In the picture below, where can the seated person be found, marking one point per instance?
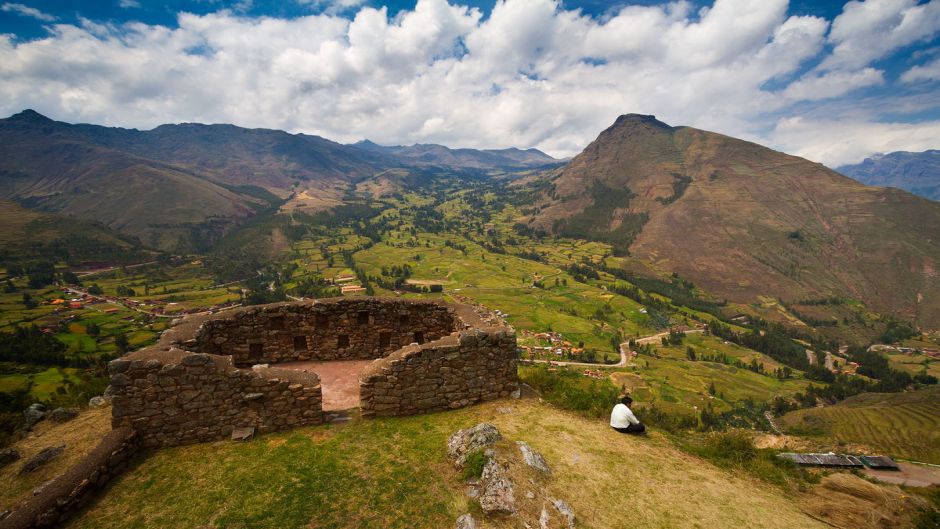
(623, 420)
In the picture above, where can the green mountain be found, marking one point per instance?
(743, 221)
(917, 172)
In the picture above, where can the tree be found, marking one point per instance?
(711, 389)
(690, 352)
(95, 290)
(93, 329)
(70, 278)
(120, 341)
(28, 301)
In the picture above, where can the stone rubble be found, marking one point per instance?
(533, 458)
(43, 457)
(469, 440)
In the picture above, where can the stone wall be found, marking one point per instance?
(340, 329)
(68, 492)
(176, 397)
(459, 370)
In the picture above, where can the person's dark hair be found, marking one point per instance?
(626, 400)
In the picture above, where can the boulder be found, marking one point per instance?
(469, 440)
(497, 496)
(533, 458)
(63, 414)
(98, 402)
(44, 456)
(34, 413)
(8, 455)
(466, 522)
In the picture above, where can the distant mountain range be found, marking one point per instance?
(743, 221)
(917, 172)
(441, 156)
(180, 187)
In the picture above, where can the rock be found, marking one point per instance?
(533, 458)
(530, 495)
(253, 396)
(44, 456)
(545, 519)
(497, 494)
(98, 402)
(466, 522)
(34, 413)
(469, 440)
(562, 507)
(243, 434)
(63, 414)
(516, 394)
(8, 455)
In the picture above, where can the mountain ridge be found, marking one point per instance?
(915, 172)
(742, 220)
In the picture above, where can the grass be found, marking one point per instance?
(905, 425)
(395, 473)
(79, 436)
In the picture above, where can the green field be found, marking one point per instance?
(904, 425)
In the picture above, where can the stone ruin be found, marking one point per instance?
(215, 374)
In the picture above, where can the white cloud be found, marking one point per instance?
(924, 72)
(128, 4)
(27, 11)
(851, 141)
(530, 74)
(832, 84)
(869, 30)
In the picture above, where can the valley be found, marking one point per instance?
(597, 306)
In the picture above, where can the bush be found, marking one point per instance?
(473, 466)
(571, 391)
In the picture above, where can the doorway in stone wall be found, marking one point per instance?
(339, 381)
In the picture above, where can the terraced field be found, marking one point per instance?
(905, 425)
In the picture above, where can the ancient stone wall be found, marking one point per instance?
(175, 397)
(69, 491)
(340, 329)
(463, 368)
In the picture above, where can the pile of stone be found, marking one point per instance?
(495, 489)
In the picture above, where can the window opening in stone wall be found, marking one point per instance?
(419, 337)
(255, 351)
(323, 321)
(362, 318)
(342, 341)
(300, 343)
(277, 323)
(385, 339)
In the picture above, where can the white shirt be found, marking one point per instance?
(622, 417)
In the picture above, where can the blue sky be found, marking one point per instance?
(832, 81)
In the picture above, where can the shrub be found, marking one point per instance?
(571, 391)
(473, 466)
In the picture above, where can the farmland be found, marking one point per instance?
(900, 424)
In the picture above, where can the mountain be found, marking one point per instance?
(917, 172)
(743, 221)
(441, 156)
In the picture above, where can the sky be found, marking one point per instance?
(834, 82)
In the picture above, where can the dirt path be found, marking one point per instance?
(624, 347)
(338, 378)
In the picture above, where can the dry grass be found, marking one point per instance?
(79, 436)
(395, 473)
(848, 501)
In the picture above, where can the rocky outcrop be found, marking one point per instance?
(42, 458)
(9, 455)
(466, 522)
(497, 496)
(532, 458)
(469, 440)
(507, 470)
(63, 414)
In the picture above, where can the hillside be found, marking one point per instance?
(742, 220)
(395, 473)
(902, 424)
(31, 235)
(916, 172)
